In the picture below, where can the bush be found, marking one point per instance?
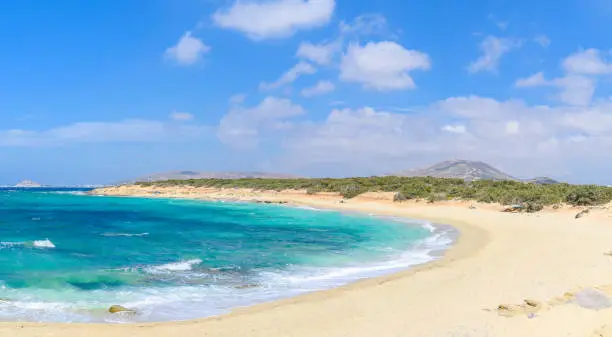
(422, 188)
(585, 196)
(532, 207)
(350, 191)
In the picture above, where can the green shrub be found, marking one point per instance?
(350, 191)
(422, 188)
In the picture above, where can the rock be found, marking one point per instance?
(472, 207)
(592, 299)
(582, 213)
(532, 303)
(118, 308)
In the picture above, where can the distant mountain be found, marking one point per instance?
(27, 183)
(184, 175)
(469, 171)
(461, 169)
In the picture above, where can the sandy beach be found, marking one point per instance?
(538, 267)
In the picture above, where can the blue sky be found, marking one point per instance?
(101, 91)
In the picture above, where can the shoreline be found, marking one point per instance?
(497, 258)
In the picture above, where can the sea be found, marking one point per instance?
(66, 256)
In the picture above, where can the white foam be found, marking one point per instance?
(176, 266)
(46, 243)
(9, 244)
(124, 234)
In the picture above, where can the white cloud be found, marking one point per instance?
(131, 130)
(587, 62)
(382, 65)
(188, 50)
(241, 126)
(542, 40)
(534, 80)
(274, 18)
(492, 48)
(321, 88)
(454, 128)
(302, 68)
(181, 116)
(578, 85)
(370, 141)
(318, 53)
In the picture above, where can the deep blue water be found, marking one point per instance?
(67, 256)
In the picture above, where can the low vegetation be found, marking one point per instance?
(531, 196)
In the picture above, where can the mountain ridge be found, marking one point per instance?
(468, 170)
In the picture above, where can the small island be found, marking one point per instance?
(28, 183)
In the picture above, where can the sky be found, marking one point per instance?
(103, 91)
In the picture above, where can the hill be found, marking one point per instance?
(185, 175)
(460, 169)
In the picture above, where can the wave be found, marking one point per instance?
(9, 244)
(46, 243)
(124, 234)
(184, 265)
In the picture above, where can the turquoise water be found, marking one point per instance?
(67, 256)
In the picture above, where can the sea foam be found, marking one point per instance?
(184, 265)
(46, 243)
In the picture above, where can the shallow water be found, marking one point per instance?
(66, 256)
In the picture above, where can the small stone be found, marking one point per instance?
(118, 308)
(582, 213)
(532, 303)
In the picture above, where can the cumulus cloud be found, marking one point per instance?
(131, 130)
(493, 49)
(587, 62)
(302, 68)
(577, 87)
(241, 126)
(367, 140)
(276, 18)
(321, 88)
(188, 50)
(382, 66)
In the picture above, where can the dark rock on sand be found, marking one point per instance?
(582, 213)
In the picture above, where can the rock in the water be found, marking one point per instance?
(118, 308)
